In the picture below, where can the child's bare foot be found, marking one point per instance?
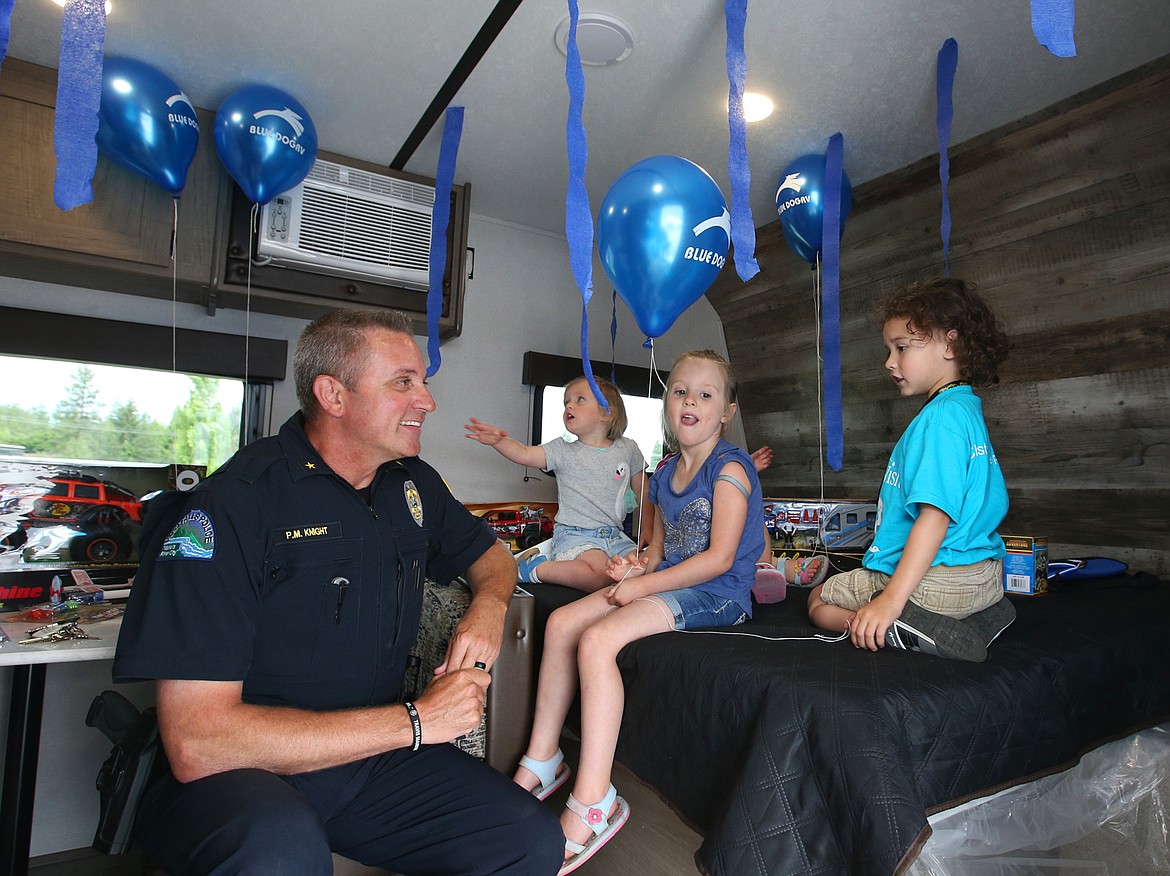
(806, 571)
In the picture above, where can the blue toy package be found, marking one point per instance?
(1025, 565)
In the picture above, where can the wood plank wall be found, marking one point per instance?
(1063, 221)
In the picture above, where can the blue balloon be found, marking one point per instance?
(146, 123)
(800, 204)
(266, 140)
(663, 232)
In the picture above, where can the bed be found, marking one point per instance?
(803, 757)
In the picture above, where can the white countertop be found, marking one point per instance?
(100, 647)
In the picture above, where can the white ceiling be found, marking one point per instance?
(366, 70)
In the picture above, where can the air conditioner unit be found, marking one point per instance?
(349, 222)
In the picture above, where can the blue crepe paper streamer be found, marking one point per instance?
(79, 97)
(5, 26)
(948, 61)
(444, 179)
(743, 229)
(1052, 22)
(831, 300)
(578, 216)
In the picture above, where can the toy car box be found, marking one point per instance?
(808, 525)
(1025, 566)
(56, 516)
(841, 529)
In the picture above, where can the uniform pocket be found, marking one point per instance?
(311, 607)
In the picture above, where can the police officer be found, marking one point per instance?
(275, 608)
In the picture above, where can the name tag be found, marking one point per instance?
(312, 530)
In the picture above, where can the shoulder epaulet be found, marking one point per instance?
(252, 461)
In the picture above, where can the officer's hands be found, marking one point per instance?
(476, 639)
(452, 705)
(478, 635)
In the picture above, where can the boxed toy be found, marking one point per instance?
(841, 529)
(58, 516)
(819, 525)
(1025, 567)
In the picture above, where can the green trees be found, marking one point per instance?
(200, 431)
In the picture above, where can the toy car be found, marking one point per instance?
(525, 526)
(76, 518)
(505, 521)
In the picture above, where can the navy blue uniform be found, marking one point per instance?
(277, 573)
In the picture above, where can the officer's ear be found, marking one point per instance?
(329, 392)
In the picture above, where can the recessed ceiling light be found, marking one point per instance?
(109, 5)
(756, 107)
(601, 39)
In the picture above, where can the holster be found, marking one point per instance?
(135, 762)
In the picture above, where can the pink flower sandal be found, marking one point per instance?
(603, 826)
(549, 773)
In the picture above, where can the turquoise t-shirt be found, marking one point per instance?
(944, 459)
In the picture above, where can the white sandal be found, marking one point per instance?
(599, 820)
(548, 772)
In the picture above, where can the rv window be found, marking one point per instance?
(86, 412)
(644, 415)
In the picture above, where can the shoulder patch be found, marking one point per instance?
(193, 538)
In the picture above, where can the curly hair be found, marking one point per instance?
(943, 304)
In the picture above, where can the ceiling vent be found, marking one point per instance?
(352, 223)
(601, 39)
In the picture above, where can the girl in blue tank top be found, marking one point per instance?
(697, 572)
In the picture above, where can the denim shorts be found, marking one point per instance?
(569, 542)
(955, 591)
(693, 608)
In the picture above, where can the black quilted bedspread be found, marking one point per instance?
(801, 757)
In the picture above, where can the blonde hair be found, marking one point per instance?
(613, 397)
(669, 440)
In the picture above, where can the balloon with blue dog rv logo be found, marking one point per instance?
(146, 123)
(266, 140)
(801, 206)
(663, 232)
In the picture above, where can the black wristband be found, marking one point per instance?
(415, 725)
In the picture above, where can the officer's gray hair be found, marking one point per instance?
(336, 344)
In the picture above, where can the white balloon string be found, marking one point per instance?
(644, 493)
(248, 315)
(174, 287)
(820, 387)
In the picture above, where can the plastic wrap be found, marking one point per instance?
(1117, 796)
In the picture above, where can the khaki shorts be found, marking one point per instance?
(954, 591)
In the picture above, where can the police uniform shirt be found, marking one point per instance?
(277, 572)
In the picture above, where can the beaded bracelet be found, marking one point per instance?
(415, 725)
